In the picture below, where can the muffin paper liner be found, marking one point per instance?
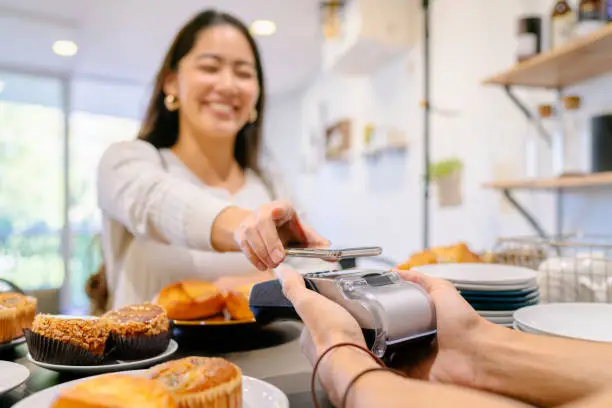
(139, 347)
(47, 350)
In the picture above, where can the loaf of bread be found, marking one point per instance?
(190, 300)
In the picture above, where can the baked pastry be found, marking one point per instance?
(8, 324)
(237, 303)
(115, 391)
(459, 253)
(190, 300)
(66, 340)
(138, 331)
(201, 382)
(25, 306)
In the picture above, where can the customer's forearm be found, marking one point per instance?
(386, 389)
(224, 227)
(542, 370)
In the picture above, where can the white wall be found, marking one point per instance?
(362, 203)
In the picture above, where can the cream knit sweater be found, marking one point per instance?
(157, 222)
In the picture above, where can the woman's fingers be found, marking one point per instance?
(269, 234)
(249, 252)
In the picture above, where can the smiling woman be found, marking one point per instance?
(192, 188)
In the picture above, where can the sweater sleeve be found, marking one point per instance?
(135, 190)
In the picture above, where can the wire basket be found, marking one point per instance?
(571, 268)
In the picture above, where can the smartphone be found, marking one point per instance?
(333, 254)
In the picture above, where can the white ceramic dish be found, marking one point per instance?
(496, 313)
(481, 274)
(255, 394)
(501, 320)
(12, 344)
(532, 285)
(12, 375)
(111, 367)
(586, 321)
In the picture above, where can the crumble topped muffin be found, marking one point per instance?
(136, 320)
(138, 331)
(201, 382)
(67, 340)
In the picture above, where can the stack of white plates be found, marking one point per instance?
(495, 291)
(585, 321)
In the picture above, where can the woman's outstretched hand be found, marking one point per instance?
(263, 234)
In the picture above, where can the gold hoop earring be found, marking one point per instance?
(171, 102)
(253, 116)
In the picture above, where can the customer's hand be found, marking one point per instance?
(454, 353)
(263, 234)
(326, 322)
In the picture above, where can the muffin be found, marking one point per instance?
(191, 300)
(115, 391)
(138, 331)
(8, 324)
(67, 340)
(197, 382)
(25, 307)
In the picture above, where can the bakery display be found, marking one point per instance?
(203, 301)
(24, 307)
(138, 331)
(116, 391)
(459, 253)
(190, 300)
(67, 340)
(201, 382)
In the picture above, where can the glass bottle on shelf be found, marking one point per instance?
(576, 143)
(562, 24)
(591, 17)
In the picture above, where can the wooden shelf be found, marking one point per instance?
(580, 60)
(590, 180)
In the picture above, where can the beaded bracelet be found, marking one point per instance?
(354, 380)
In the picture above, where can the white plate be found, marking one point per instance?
(255, 394)
(12, 375)
(12, 344)
(108, 368)
(586, 321)
(480, 273)
(532, 285)
(496, 313)
(500, 320)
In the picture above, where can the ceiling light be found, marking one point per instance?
(263, 27)
(65, 48)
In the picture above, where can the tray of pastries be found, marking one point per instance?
(190, 382)
(201, 303)
(133, 336)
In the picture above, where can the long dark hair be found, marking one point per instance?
(160, 126)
